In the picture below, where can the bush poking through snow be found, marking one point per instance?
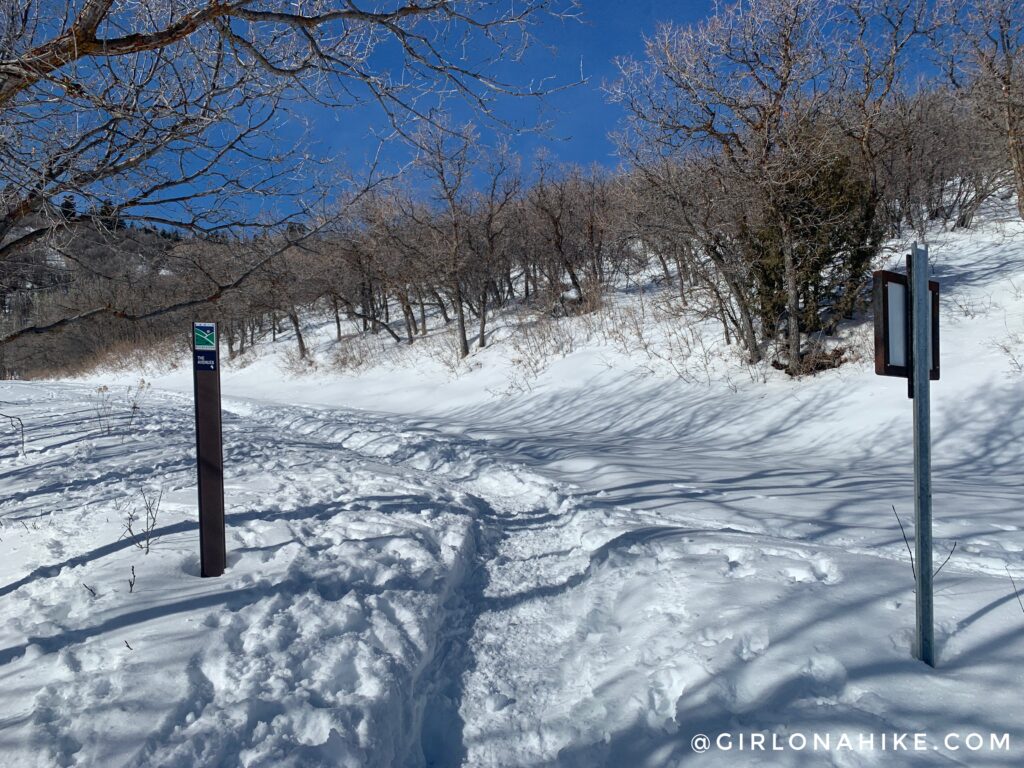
(18, 424)
(104, 409)
(108, 410)
(298, 364)
(136, 396)
(1013, 347)
(139, 523)
(535, 344)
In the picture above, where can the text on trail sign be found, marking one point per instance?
(893, 326)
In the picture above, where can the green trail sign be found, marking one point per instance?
(204, 346)
(204, 336)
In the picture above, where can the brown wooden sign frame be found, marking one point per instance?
(883, 363)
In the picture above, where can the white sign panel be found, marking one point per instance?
(896, 332)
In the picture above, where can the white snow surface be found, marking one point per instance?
(590, 572)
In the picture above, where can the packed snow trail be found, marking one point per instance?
(404, 594)
(315, 647)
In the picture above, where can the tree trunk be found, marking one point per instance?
(482, 339)
(460, 314)
(574, 280)
(408, 314)
(298, 334)
(684, 279)
(410, 322)
(364, 306)
(664, 268)
(337, 316)
(792, 306)
(441, 307)
(745, 323)
(1014, 115)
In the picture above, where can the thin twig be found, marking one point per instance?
(1014, 587)
(946, 560)
(907, 542)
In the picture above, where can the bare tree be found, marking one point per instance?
(446, 158)
(983, 41)
(575, 233)
(491, 223)
(874, 43)
(741, 86)
(168, 112)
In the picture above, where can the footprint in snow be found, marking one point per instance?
(753, 644)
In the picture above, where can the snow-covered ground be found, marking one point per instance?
(590, 572)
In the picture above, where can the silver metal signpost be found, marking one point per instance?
(921, 346)
(907, 346)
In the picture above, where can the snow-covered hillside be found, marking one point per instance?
(589, 569)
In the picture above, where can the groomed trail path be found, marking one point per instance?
(405, 593)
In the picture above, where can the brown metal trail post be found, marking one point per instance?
(209, 449)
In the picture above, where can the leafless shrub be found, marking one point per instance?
(104, 404)
(1012, 346)
(298, 363)
(445, 348)
(140, 520)
(670, 336)
(135, 397)
(971, 307)
(535, 344)
(358, 353)
(1018, 290)
(16, 423)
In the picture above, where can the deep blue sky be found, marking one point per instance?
(580, 118)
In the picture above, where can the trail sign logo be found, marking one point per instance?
(204, 336)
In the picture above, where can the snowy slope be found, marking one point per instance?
(587, 573)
